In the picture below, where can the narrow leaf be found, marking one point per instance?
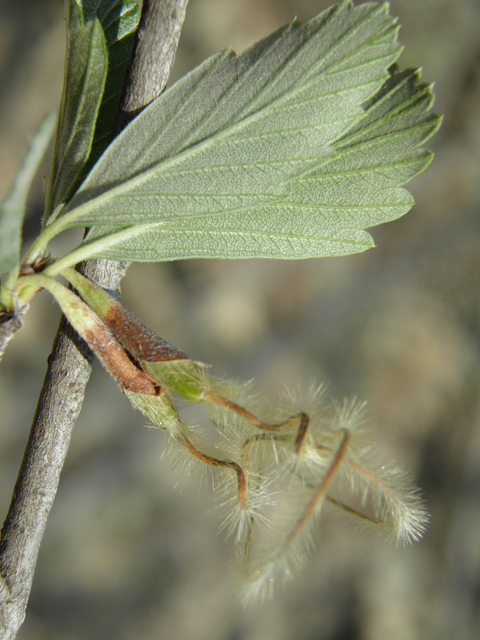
(290, 150)
(85, 72)
(12, 209)
(119, 20)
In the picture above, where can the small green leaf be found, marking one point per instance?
(290, 150)
(119, 20)
(12, 209)
(84, 80)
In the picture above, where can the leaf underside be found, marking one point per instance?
(98, 32)
(85, 72)
(289, 150)
(119, 20)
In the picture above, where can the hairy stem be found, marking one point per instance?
(321, 490)
(301, 418)
(228, 464)
(69, 364)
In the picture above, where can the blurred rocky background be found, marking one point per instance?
(129, 553)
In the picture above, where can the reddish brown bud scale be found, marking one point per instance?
(36, 266)
(118, 364)
(142, 343)
(101, 340)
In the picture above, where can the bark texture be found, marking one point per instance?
(69, 364)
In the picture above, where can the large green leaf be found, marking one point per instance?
(12, 209)
(119, 20)
(290, 150)
(84, 80)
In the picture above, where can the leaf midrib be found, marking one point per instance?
(168, 164)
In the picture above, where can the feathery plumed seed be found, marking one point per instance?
(273, 465)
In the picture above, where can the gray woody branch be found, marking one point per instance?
(69, 364)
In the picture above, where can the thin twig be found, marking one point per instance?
(69, 364)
